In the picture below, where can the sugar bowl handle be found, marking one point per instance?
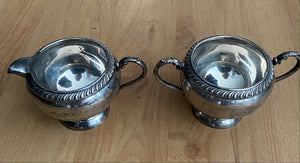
(179, 66)
(285, 55)
(137, 61)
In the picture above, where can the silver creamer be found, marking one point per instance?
(74, 80)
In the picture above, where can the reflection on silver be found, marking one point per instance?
(74, 80)
(68, 67)
(224, 75)
(225, 78)
(229, 65)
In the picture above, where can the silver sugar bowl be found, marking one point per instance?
(226, 78)
(74, 80)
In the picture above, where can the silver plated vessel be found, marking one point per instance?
(226, 78)
(74, 80)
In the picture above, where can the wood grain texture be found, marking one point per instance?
(148, 122)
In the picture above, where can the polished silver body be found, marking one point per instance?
(226, 78)
(74, 80)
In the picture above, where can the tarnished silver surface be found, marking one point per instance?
(74, 80)
(87, 123)
(226, 78)
(214, 122)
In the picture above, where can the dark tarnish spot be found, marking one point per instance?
(139, 97)
(65, 82)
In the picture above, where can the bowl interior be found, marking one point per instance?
(68, 65)
(230, 63)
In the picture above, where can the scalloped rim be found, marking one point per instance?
(81, 93)
(223, 92)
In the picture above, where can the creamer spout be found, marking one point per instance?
(20, 66)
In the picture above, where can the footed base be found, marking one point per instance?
(214, 122)
(88, 123)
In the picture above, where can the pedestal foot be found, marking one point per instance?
(88, 123)
(214, 122)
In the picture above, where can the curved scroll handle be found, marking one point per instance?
(137, 61)
(285, 55)
(179, 66)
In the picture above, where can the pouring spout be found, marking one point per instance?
(20, 66)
